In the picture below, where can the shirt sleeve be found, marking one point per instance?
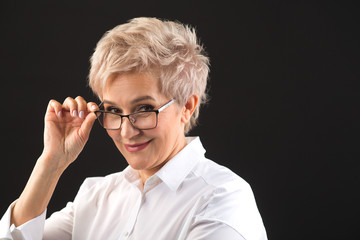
(32, 229)
(213, 230)
(59, 225)
(231, 211)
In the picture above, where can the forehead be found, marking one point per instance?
(131, 85)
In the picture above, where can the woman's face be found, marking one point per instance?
(145, 150)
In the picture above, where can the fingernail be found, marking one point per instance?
(74, 113)
(81, 114)
(59, 113)
(93, 107)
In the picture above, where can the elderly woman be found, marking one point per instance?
(150, 76)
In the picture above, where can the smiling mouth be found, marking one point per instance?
(136, 147)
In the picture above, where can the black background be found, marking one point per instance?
(283, 112)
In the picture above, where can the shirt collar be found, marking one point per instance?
(133, 177)
(175, 171)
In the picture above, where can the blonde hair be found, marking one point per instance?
(168, 50)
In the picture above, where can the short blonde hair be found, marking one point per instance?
(168, 50)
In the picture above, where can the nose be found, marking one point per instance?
(127, 130)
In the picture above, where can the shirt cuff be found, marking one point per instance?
(32, 229)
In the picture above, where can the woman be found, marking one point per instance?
(151, 78)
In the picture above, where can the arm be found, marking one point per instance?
(67, 129)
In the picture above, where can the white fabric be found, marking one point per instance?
(190, 198)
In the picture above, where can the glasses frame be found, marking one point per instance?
(163, 107)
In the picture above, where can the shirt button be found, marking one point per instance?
(126, 234)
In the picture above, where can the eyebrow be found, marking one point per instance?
(136, 100)
(142, 98)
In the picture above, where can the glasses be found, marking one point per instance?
(143, 120)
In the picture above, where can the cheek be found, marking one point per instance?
(113, 134)
(170, 120)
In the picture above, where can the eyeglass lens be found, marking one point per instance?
(142, 120)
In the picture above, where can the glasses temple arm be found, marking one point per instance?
(166, 105)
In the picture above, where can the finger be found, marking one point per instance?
(86, 126)
(71, 105)
(81, 106)
(55, 106)
(91, 106)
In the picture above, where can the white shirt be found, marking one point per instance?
(189, 198)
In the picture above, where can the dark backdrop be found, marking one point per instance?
(284, 99)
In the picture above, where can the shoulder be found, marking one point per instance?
(228, 191)
(218, 176)
(230, 202)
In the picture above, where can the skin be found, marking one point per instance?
(68, 126)
(166, 140)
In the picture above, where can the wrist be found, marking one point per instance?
(38, 190)
(51, 165)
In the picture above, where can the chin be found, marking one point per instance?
(137, 160)
(137, 163)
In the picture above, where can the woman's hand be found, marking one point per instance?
(67, 129)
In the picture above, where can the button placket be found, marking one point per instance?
(132, 220)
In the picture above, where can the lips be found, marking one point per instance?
(136, 147)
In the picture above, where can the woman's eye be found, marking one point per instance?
(144, 108)
(112, 109)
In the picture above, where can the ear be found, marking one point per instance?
(189, 108)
